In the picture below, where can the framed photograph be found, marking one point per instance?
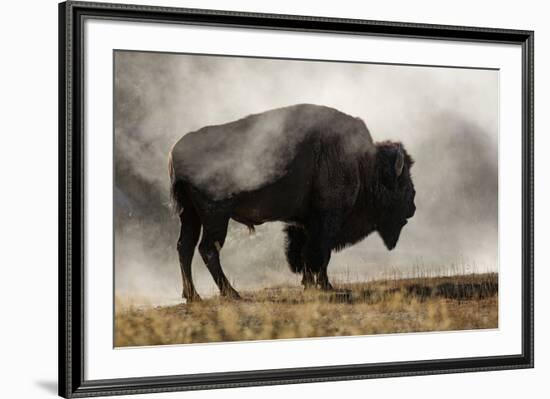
(252, 199)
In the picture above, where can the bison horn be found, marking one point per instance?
(399, 161)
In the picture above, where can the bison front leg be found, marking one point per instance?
(213, 237)
(296, 240)
(322, 275)
(322, 278)
(319, 248)
(308, 279)
(317, 259)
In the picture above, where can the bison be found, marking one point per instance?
(312, 167)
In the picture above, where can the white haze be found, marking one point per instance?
(447, 119)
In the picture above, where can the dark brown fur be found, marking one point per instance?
(312, 167)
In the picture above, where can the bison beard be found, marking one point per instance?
(312, 167)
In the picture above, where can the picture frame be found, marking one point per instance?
(72, 209)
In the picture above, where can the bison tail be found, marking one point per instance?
(176, 192)
(295, 242)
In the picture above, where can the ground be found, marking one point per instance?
(389, 306)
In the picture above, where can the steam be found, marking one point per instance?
(447, 119)
(224, 163)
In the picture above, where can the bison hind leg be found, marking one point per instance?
(213, 238)
(189, 236)
(294, 246)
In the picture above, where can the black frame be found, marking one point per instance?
(71, 197)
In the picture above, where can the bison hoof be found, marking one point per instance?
(231, 294)
(192, 298)
(326, 286)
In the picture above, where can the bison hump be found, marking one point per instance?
(225, 160)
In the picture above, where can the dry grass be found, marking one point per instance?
(388, 306)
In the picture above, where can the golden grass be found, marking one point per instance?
(389, 306)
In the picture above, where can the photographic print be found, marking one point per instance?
(282, 199)
(265, 199)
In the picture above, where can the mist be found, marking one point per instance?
(447, 119)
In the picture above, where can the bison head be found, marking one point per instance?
(394, 192)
